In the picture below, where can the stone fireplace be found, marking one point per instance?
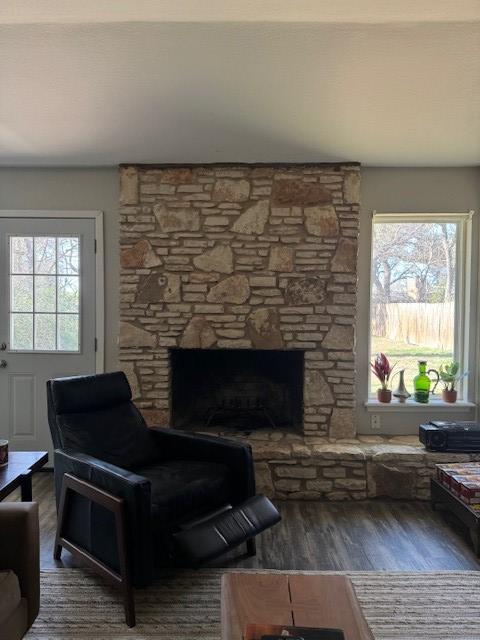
(238, 297)
(236, 259)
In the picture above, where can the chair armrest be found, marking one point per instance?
(134, 489)
(19, 549)
(237, 456)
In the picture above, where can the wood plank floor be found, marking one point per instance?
(343, 536)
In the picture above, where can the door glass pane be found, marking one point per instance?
(45, 330)
(45, 293)
(67, 332)
(21, 329)
(45, 255)
(68, 293)
(51, 288)
(21, 254)
(67, 255)
(21, 293)
(413, 295)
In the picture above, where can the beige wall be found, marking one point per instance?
(403, 190)
(75, 189)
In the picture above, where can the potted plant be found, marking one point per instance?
(382, 369)
(449, 376)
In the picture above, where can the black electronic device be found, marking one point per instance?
(454, 437)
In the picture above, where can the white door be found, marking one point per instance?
(47, 318)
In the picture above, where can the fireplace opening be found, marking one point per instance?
(237, 389)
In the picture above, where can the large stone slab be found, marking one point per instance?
(340, 336)
(308, 290)
(133, 336)
(345, 258)
(351, 187)
(263, 329)
(150, 288)
(321, 221)
(296, 193)
(140, 256)
(128, 185)
(156, 417)
(263, 478)
(172, 290)
(254, 219)
(390, 481)
(281, 259)
(198, 334)
(316, 389)
(220, 259)
(342, 424)
(170, 220)
(234, 290)
(129, 370)
(182, 175)
(226, 190)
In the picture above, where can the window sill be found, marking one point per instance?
(436, 405)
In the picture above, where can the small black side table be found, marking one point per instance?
(18, 472)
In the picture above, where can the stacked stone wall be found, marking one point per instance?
(242, 257)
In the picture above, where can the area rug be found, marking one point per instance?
(185, 605)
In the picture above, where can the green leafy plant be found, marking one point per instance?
(449, 375)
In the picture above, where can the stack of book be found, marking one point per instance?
(463, 480)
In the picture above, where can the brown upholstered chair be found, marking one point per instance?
(19, 568)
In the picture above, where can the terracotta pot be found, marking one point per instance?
(384, 395)
(449, 396)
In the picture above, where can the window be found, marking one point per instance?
(44, 293)
(418, 300)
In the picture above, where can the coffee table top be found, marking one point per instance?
(19, 463)
(291, 599)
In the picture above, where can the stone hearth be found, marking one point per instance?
(241, 257)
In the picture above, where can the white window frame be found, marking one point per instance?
(97, 216)
(463, 302)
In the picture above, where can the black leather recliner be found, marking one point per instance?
(166, 478)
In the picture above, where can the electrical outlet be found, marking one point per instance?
(375, 422)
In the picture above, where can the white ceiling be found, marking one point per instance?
(384, 83)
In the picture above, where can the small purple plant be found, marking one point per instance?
(382, 369)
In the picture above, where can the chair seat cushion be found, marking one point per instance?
(185, 489)
(10, 596)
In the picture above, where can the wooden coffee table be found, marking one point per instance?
(291, 599)
(18, 472)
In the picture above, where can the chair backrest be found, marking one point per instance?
(95, 415)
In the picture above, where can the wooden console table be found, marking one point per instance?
(291, 599)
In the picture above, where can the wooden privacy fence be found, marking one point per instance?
(429, 324)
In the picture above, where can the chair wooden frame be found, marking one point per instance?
(72, 484)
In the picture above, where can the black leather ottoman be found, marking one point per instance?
(225, 531)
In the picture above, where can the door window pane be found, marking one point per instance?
(22, 293)
(45, 304)
(21, 255)
(45, 293)
(68, 293)
(45, 330)
(413, 295)
(67, 332)
(67, 255)
(21, 328)
(45, 255)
